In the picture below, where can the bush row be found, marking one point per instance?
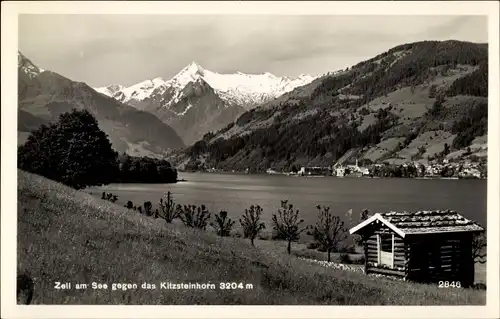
(328, 231)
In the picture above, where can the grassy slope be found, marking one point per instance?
(65, 235)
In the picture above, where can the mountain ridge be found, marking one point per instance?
(197, 101)
(252, 88)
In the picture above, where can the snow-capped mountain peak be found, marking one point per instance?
(27, 66)
(138, 92)
(238, 88)
(194, 68)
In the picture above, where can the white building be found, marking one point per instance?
(340, 171)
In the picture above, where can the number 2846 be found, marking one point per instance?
(448, 284)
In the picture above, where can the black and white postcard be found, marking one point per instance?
(322, 154)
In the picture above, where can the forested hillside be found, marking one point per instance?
(416, 102)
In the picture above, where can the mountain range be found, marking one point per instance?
(43, 95)
(197, 101)
(415, 102)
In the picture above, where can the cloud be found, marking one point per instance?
(132, 48)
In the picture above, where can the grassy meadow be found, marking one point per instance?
(71, 236)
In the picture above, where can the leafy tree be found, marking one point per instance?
(479, 248)
(251, 222)
(169, 210)
(329, 230)
(286, 224)
(195, 217)
(364, 111)
(352, 221)
(446, 149)
(222, 224)
(73, 151)
(129, 205)
(447, 171)
(421, 151)
(145, 170)
(437, 107)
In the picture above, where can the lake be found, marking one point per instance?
(235, 192)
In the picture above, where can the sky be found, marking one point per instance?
(126, 49)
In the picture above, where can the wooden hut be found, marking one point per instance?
(424, 246)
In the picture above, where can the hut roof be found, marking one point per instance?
(422, 222)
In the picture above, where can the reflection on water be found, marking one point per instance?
(235, 192)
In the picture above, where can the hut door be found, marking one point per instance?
(386, 249)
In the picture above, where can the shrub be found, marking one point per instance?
(345, 259)
(251, 223)
(346, 249)
(479, 286)
(25, 288)
(222, 225)
(129, 205)
(359, 261)
(263, 237)
(139, 209)
(148, 208)
(313, 245)
(73, 151)
(195, 217)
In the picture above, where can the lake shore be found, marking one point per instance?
(329, 176)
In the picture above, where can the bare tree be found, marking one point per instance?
(195, 217)
(169, 210)
(287, 224)
(251, 223)
(222, 225)
(329, 230)
(479, 248)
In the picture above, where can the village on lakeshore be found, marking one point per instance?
(463, 169)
